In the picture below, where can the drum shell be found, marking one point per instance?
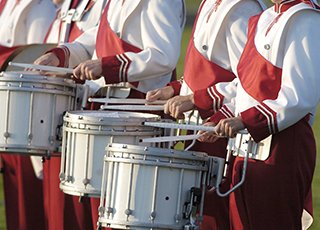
(33, 106)
(87, 133)
(145, 182)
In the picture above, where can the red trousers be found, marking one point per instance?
(276, 191)
(23, 194)
(63, 211)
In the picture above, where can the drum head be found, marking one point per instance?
(26, 54)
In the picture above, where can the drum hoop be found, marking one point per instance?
(111, 122)
(154, 151)
(48, 91)
(74, 115)
(75, 191)
(107, 223)
(44, 80)
(27, 149)
(178, 165)
(115, 132)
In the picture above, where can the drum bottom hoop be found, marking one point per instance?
(73, 191)
(135, 225)
(28, 150)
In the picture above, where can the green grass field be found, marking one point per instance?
(316, 127)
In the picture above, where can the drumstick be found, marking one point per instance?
(170, 138)
(183, 126)
(42, 67)
(133, 107)
(125, 101)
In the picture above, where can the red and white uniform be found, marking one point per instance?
(217, 41)
(161, 25)
(65, 211)
(277, 94)
(22, 22)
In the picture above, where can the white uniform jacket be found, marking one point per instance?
(288, 41)
(154, 26)
(221, 31)
(220, 36)
(25, 22)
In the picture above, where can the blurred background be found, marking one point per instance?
(192, 8)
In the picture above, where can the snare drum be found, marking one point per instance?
(32, 106)
(87, 133)
(151, 188)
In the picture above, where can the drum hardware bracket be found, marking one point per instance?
(191, 227)
(191, 205)
(214, 170)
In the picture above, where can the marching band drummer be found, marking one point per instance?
(277, 94)
(22, 23)
(64, 211)
(218, 38)
(136, 41)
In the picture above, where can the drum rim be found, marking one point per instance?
(83, 113)
(156, 151)
(117, 223)
(15, 76)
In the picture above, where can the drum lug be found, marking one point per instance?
(6, 134)
(62, 176)
(51, 139)
(128, 212)
(30, 136)
(86, 181)
(153, 215)
(109, 210)
(101, 209)
(177, 218)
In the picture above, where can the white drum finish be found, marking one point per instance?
(147, 187)
(32, 106)
(87, 133)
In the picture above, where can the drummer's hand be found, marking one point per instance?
(229, 127)
(207, 136)
(91, 70)
(160, 94)
(177, 105)
(49, 59)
